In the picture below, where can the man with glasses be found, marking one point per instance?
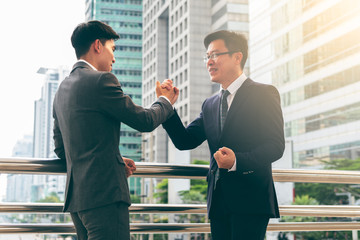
(243, 126)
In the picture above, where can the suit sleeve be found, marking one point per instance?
(185, 138)
(271, 127)
(58, 141)
(114, 102)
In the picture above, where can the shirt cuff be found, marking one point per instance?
(233, 168)
(166, 99)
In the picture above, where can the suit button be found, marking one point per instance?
(212, 171)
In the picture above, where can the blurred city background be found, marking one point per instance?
(308, 49)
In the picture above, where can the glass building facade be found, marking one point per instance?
(125, 17)
(310, 51)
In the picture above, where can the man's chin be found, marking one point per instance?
(214, 80)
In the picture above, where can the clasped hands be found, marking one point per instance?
(167, 90)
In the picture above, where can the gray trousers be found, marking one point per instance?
(110, 222)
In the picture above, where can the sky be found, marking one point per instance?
(34, 34)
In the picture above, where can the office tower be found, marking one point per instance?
(43, 185)
(173, 48)
(18, 186)
(172, 43)
(43, 119)
(310, 51)
(23, 147)
(125, 17)
(173, 34)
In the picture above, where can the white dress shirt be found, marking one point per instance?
(233, 88)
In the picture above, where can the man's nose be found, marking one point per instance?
(209, 62)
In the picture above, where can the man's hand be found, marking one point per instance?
(167, 90)
(225, 158)
(130, 167)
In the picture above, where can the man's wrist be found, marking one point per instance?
(233, 168)
(165, 98)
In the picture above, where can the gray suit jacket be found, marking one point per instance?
(89, 107)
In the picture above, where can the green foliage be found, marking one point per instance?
(191, 196)
(135, 198)
(200, 162)
(302, 200)
(162, 191)
(343, 164)
(52, 198)
(163, 236)
(324, 194)
(305, 200)
(198, 188)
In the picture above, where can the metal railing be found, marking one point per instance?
(54, 166)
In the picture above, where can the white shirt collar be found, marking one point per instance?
(82, 60)
(235, 85)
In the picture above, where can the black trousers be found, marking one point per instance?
(227, 225)
(110, 222)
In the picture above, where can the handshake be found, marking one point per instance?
(167, 90)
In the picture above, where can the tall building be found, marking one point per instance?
(125, 17)
(18, 186)
(23, 147)
(173, 34)
(172, 43)
(43, 185)
(173, 48)
(43, 119)
(310, 51)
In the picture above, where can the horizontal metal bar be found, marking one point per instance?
(313, 226)
(134, 208)
(32, 165)
(285, 210)
(164, 170)
(55, 166)
(168, 208)
(31, 207)
(179, 227)
(37, 228)
(318, 176)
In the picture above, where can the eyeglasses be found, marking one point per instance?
(213, 56)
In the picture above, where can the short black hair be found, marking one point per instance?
(86, 33)
(233, 41)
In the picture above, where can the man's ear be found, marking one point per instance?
(97, 46)
(238, 57)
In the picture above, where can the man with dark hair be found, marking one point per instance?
(89, 107)
(243, 126)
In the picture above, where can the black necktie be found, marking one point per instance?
(223, 107)
(223, 113)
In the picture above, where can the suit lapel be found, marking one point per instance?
(236, 104)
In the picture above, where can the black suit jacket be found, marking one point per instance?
(88, 109)
(254, 131)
